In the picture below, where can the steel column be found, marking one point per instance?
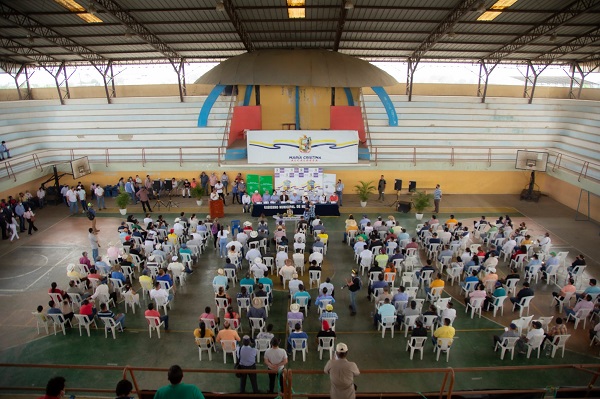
(63, 93)
(531, 80)
(483, 81)
(410, 71)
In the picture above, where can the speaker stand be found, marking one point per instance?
(395, 203)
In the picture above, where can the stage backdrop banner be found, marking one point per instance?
(266, 184)
(251, 184)
(286, 147)
(299, 179)
(329, 183)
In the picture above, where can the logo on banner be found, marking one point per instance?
(305, 144)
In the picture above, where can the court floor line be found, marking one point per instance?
(39, 278)
(25, 274)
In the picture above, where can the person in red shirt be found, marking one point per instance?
(333, 198)
(87, 308)
(155, 313)
(55, 388)
(522, 250)
(55, 290)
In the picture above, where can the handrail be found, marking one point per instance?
(232, 102)
(446, 386)
(9, 170)
(365, 116)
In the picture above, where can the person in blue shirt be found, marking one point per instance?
(297, 333)
(118, 274)
(266, 197)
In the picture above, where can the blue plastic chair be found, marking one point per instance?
(236, 225)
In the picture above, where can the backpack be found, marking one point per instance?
(90, 215)
(360, 283)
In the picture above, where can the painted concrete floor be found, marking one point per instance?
(28, 266)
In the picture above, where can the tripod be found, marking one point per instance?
(395, 203)
(171, 203)
(158, 202)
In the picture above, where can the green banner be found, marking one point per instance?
(266, 184)
(251, 184)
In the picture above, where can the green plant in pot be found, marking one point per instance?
(421, 201)
(364, 189)
(122, 200)
(198, 193)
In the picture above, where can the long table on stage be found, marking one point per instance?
(298, 209)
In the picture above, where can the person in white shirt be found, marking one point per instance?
(72, 199)
(288, 270)
(41, 194)
(281, 257)
(81, 195)
(219, 189)
(299, 244)
(318, 256)
(252, 255)
(242, 238)
(99, 192)
(246, 202)
(258, 269)
(148, 220)
(327, 284)
(158, 292)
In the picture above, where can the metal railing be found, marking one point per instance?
(365, 116)
(446, 389)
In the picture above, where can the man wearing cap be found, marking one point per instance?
(220, 279)
(550, 265)
(510, 332)
(341, 374)
(275, 359)
(256, 197)
(328, 313)
(247, 361)
(353, 284)
(176, 267)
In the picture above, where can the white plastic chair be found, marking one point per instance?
(59, 320)
(85, 322)
(299, 345)
(112, 325)
(221, 304)
(560, 302)
(415, 344)
(454, 273)
(523, 323)
(523, 304)
(387, 322)
(443, 345)
(511, 285)
(434, 294)
(42, 320)
(314, 277)
(507, 344)
(475, 304)
(228, 346)
(558, 342)
(162, 302)
(243, 304)
(326, 344)
(535, 343)
(408, 323)
(256, 324)
(261, 345)
(303, 302)
(469, 287)
(582, 314)
(498, 303)
(154, 323)
(204, 345)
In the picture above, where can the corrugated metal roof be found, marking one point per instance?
(374, 29)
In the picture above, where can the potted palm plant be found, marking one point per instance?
(198, 193)
(421, 200)
(122, 200)
(364, 189)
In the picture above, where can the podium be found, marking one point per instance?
(216, 209)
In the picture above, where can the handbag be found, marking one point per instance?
(32, 218)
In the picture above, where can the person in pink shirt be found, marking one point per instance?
(256, 197)
(84, 260)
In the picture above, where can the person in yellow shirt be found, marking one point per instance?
(172, 237)
(451, 220)
(438, 282)
(203, 332)
(445, 331)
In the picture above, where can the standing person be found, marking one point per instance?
(219, 188)
(71, 196)
(339, 187)
(55, 388)
(91, 215)
(204, 181)
(123, 389)
(81, 195)
(99, 192)
(30, 218)
(225, 182)
(247, 361)
(354, 285)
(437, 197)
(143, 195)
(381, 188)
(234, 193)
(177, 389)
(41, 195)
(12, 225)
(93, 242)
(275, 359)
(341, 374)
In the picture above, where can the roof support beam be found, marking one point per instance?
(340, 26)
(180, 70)
(22, 50)
(531, 80)
(20, 73)
(571, 46)
(238, 25)
(484, 75)
(577, 82)
(410, 72)
(108, 77)
(550, 24)
(62, 83)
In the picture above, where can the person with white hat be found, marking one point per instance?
(257, 309)
(220, 279)
(295, 313)
(252, 255)
(294, 284)
(258, 268)
(341, 374)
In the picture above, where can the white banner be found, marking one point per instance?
(329, 183)
(286, 147)
(299, 179)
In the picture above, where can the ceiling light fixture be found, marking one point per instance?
(481, 7)
(78, 10)
(496, 10)
(220, 6)
(30, 39)
(348, 5)
(553, 37)
(92, 9)
(451, 32)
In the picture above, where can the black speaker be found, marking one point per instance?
(398, 185)
(168, 185)
(404, 206)
(156, 185)
(412, 186)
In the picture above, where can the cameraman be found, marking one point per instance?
(354, 285)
